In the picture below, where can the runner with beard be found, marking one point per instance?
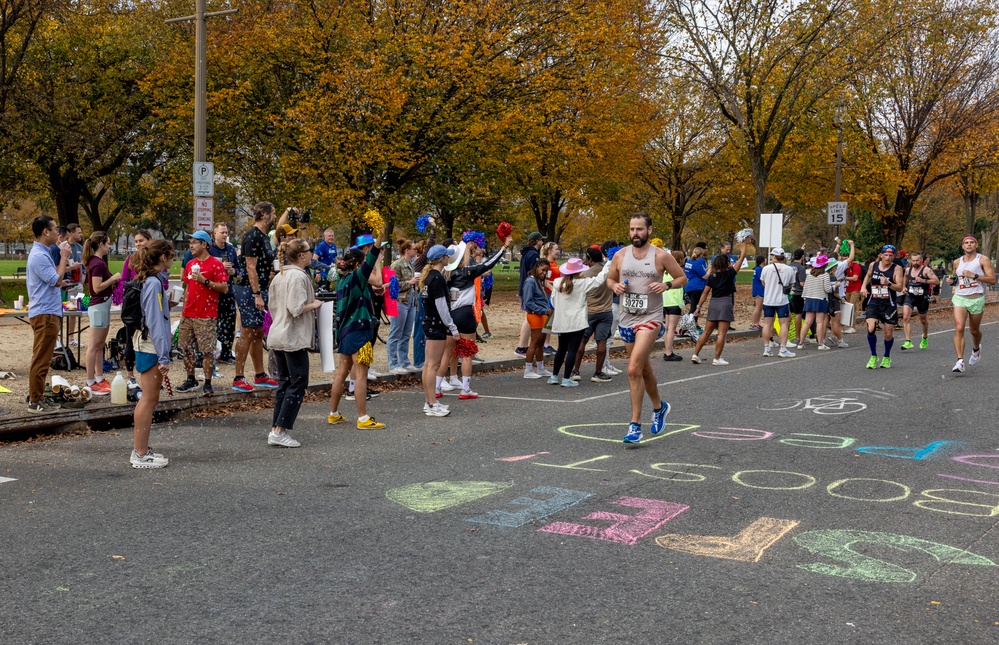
(970, 272)
(636, 274)
(919, 282)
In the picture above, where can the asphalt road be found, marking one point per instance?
(766, 514)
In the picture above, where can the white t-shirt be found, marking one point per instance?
(773, 292)
(841, 278)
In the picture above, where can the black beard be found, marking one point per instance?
(638, 242)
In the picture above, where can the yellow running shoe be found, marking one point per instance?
(370, 424)
(335, 418)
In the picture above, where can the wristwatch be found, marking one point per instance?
(669, 285)
(208, 282)
(256, 293)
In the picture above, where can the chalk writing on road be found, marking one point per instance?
(748, 545)
(431, 497)
(4, 480)
(839, 545)
(834, 402)
(625, 529)
(555, 500)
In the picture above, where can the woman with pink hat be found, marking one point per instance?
(571, 318)
(816, 292)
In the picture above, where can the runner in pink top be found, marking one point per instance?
(636, 274)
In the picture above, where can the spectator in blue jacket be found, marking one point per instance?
(696, 270)
(529, 256)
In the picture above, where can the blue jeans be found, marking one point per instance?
(400, 329)
(419, 338)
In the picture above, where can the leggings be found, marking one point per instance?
(129, 350)
(568, 345)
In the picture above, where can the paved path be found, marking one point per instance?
(791, 501)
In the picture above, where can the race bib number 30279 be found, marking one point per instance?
(636, 303)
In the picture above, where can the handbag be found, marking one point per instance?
(787, 289)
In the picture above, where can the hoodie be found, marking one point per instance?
(529, 256)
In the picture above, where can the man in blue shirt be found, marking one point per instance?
(326, 251)
(45, 278)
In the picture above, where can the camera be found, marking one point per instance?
(295, 215)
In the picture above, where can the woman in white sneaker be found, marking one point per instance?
(292, 305)
(720, 287)
(570, 318)
(536, 306)
(816, 292)
(438, 327)
(152, 342)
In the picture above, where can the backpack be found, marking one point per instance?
(131, 307)
(63, 360)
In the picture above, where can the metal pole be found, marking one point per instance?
(839, 165)
(200, 83)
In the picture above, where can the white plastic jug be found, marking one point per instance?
(119, 390)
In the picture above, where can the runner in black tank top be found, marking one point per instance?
(881, 282)
(919, 281)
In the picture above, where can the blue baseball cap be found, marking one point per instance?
(364, 240)
(201, 235)
(887, 247)
(437, 251)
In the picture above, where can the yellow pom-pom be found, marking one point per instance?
(365, 355)
(656, 241)
(373, 220)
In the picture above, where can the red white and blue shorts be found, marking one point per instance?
(628, 333)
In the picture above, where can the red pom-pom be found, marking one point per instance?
(503, 231)
(464, 348)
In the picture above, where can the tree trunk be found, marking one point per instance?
(66, 194)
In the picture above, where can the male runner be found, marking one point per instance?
(884, 278)
(919, 282)
(636, 273)
(970, 271)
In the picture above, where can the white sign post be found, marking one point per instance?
(204, 179)
(837, 213)
(204, 213)
(771, 230)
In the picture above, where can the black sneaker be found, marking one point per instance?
(600, 377)
(350, 396)
(672, 358)
(479, 339)
(227, 360)
(207, 389)
(190, 384)
(372, 392)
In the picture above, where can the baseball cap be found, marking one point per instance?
(777, 252)
(437, 251)
(535, 236)
(201, 235)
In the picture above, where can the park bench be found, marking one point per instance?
(21, 272)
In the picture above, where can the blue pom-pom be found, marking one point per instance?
(394, 288)
(474, 236)
(487, 281)
(422, 222)
(611, 251)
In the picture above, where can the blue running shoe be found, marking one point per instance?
(634, 433)
(659, 418)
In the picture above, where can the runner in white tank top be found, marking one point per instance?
(636, 275)
(971, 272)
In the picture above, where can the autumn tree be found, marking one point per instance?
(769, 63)
(918, 105)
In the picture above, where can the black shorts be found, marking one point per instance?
(920, 303)
(672, 311)
(882, 309)
(834, 304)
(487, 295)
(434, 331)
(464, 319)
(797, 304)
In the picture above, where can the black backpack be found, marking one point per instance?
(131, 307)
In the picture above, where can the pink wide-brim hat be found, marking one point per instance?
(573, 266)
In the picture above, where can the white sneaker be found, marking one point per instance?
(823, 347)
(284, 439)
(767, 352)
(149, 460)
(849, 330)
(529, 373)
(785, 353)
(958, 366)
(719, 362)
(975, 357)
(413, 368)
(399, 370)
(373, 374)
(800, 347)
(842, 344)
(447, 387)
(542, 371)
(812, 340)
(694, 358)
(435, 410)
(455, 382)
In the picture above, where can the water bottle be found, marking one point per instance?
(119, 390)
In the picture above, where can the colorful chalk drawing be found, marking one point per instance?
(626, 529)
(522, 457)
(4, 480)
(818, 405)
(838, 545)
(431, 497)
(557, 499)
(748, 545)
(615, 436)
